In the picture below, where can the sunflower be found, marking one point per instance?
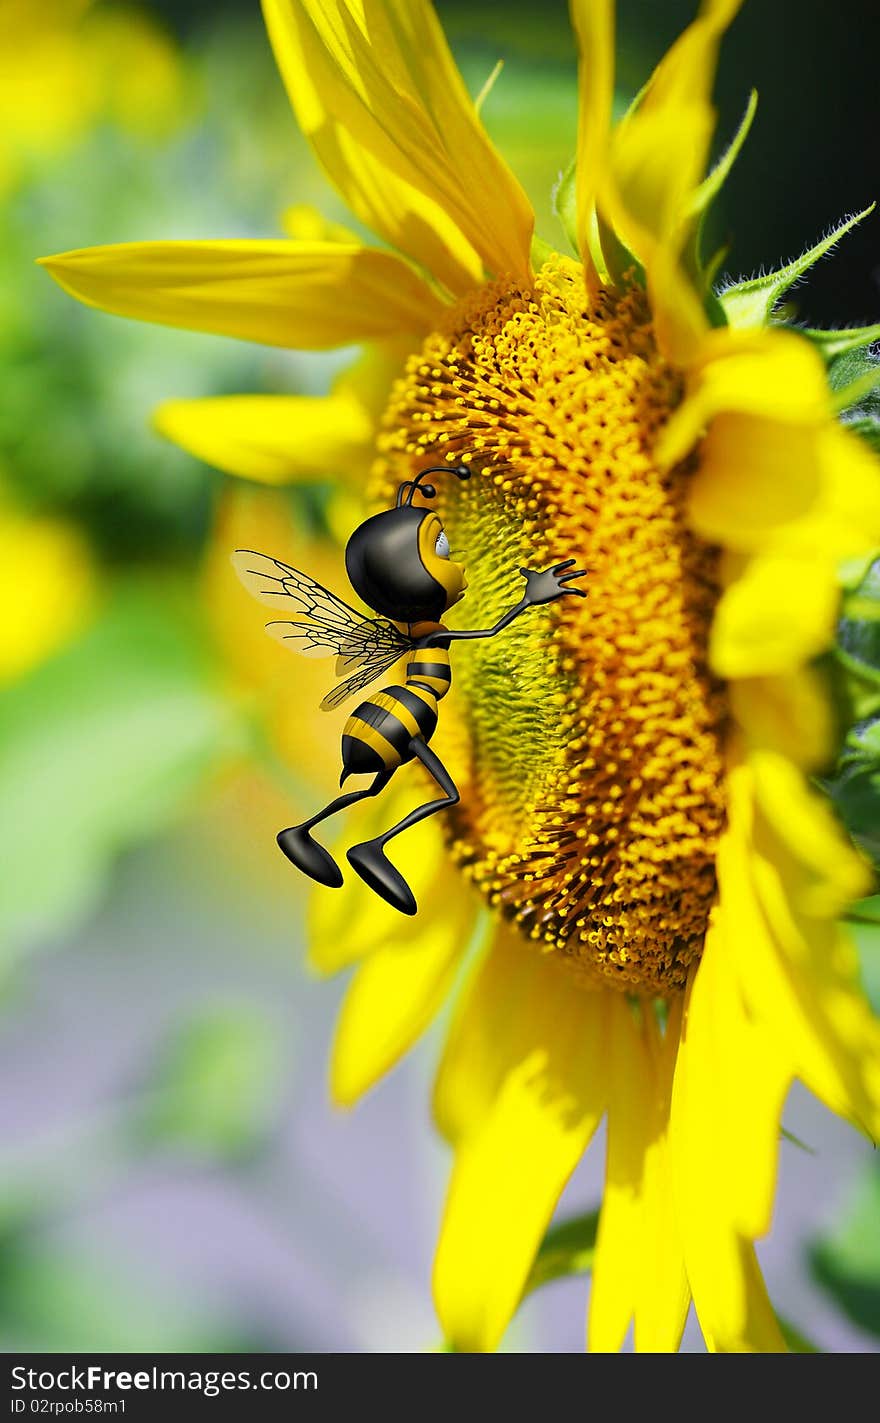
(659, 882)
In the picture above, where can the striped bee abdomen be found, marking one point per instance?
(376, 736)
(429, 666)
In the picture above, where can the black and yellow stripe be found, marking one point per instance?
(377, 735)
(430, 667)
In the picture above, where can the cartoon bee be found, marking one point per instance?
(399, 564)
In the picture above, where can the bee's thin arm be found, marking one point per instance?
(459, 635)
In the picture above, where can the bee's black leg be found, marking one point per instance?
(369, 859)
(310, 857)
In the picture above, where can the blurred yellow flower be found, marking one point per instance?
(47, 587)
(635, 804)
(63, 66)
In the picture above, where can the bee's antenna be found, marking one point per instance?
(408, 488)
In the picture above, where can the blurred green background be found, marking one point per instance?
(171, 1173)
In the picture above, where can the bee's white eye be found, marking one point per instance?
(441, 547)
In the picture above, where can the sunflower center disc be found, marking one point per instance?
(587, 739)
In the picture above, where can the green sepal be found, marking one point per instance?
(568, 1248)
(613, 260)
(564, 201)
(832, 344)
(622, 267)
(703, 273)
(714, 181)
(752, 303)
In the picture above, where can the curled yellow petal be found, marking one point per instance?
(385, 73)
(660, 150)
(385, 202)
(301, 294)
(593, 22)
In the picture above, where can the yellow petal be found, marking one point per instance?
(383, 70)
(790, 713)
(773, 374)
(799, 972)
(639, 1269)
(778, 613)
(274, 439)
(756, 479)
(662, 1292)
(303, 294)
(774, 466)
(657, 158)
(396, 992)
(483, 1037)
(727, 1101)
(661, 148)
(620, 1242)
(529, 1120)
(413, 223)
(593, 22)
(797, 829)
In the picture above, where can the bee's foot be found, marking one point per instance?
(368, 860)
(310, 857)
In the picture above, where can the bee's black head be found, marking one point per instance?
(399, 563)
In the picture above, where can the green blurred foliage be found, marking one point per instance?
(98, 747)
(215, 1090)
(846, 1262)
(854, 784)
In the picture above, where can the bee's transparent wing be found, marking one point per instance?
(325, 625)
(369, 670)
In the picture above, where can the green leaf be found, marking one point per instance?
(702, 271)
(567, 1249)
(854, 376)
(215, 1085)
(838, 343)
(846, 1261)
(854, 663)
(752, 303)
(99, 747)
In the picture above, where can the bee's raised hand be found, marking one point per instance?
(546, 587)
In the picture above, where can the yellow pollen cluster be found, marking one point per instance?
(586, 740)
